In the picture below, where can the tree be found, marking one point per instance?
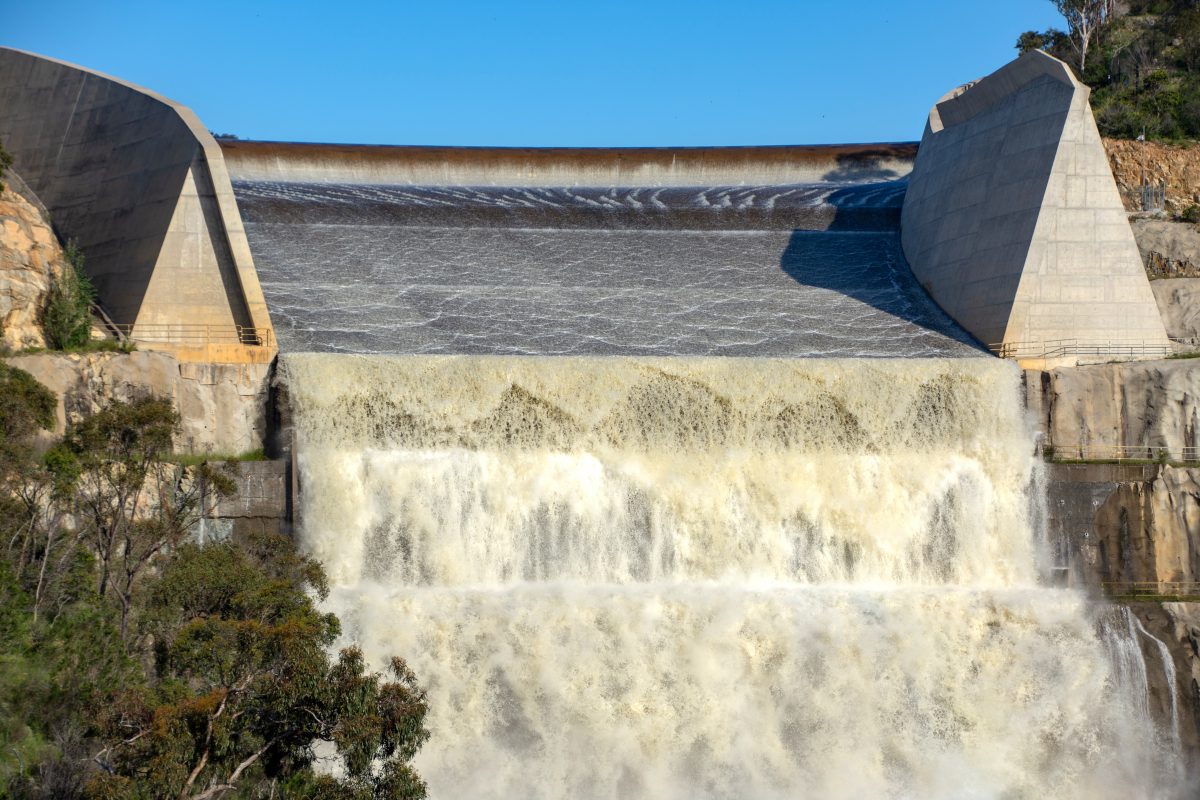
(246, 686)
(1084, 18)
(6, 161)
(67, 320)
(132, 504)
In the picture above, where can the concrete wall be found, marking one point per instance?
(1012, 220)
(141, 185)
(566, 166)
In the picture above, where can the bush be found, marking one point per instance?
(1191, 214)
(68, 318)
(6, 161)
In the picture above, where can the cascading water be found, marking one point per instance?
(711, 578)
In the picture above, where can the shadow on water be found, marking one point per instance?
(860, 256)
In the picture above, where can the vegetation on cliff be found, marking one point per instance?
(136, 662)
(1141, 58)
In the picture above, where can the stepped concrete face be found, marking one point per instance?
(1012, 220)
(142, 187)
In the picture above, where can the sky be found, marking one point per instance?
(566, 73)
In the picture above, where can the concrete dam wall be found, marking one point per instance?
(1013, 222)
(566, 166)
(139, 183)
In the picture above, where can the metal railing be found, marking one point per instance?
(1062, 348)
(195, 334)
(1152, 589)
(1120, 452)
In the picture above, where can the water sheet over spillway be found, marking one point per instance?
(811, 269)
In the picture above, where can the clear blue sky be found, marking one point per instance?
(541, 73)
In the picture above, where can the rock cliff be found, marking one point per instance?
(1169, 249)
(1147, 403)
(30, 256)
(1154, 162)
(1179, 303)
(223, 406)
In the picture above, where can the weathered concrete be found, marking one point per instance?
(141, 185)
(1012, 220)
(566, 166)
(223, 406)
(263, 500)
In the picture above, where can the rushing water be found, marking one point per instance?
(714, 578)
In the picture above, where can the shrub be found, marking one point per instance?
(1191, 214)
(68, 318)
(6, 161)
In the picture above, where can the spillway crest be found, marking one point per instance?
(712, 578)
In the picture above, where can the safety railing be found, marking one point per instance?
(1152, 589)
(1062, 348)
(1119, 453)
(193, 334)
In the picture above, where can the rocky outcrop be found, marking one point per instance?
(1136, 162)
(1179, 303)
(1169, 249)
(223, 406)
(30, 257)
(1173, 691)
(1148, 531)
(1147, 403)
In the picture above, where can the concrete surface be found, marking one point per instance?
(141, 185)
(1012, 220)
(566, 166)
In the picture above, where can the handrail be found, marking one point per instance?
(195, 333)
(1061, 348)
(1120, 452)
(1151, 588)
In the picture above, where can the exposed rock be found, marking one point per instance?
(1179, 303)
(1173, 690)
(1149, 531)
(1169, 249)
(1154, 162)
(1148, 403)
(223, 406)
(30, 256)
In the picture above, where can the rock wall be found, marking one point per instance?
(223, 406)
(1169, 249)
(30, 258)
(1155, 162)
(1179, 303)
(1147, 403)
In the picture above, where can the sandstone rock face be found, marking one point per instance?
(1179, 303)
(1149, 403)
(223, 406)
(30, 256)
(1178, 166)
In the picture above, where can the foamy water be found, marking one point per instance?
(715, 578)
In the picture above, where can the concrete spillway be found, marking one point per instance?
(535, 252)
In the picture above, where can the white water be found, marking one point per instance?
(710, 578)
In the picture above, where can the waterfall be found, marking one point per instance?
(711, 578)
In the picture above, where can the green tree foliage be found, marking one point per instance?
(68, 316)
(6, 161)
(135, 664)
(245, 687)
(1143, 65)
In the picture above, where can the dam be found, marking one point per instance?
(669, 471)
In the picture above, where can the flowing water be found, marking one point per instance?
(746, 578)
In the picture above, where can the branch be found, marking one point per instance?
(231, 781)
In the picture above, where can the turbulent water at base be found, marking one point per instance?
(714, 578)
